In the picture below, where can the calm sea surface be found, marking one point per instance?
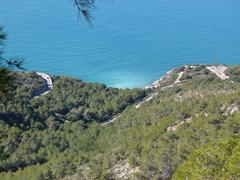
(131, 43)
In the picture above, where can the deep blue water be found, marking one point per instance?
(131, 43)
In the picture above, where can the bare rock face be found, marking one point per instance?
(233, 108)
(123, 170)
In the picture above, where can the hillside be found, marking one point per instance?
(184, 126)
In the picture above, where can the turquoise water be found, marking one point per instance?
(131, 43)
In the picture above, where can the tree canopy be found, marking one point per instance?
(6, 66)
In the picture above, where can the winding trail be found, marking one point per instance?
(48, 84)
(218, 70)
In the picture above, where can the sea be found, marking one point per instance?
(131, 43)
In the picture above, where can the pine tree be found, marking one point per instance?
(6, 67)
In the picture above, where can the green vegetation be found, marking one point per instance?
(214, 161)
(190, 130)
(70, 100)
(234, 73)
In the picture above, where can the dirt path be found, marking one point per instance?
(111, 120)
(219, 71)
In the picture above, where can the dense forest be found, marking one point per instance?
(189, 130)
(70, 100)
